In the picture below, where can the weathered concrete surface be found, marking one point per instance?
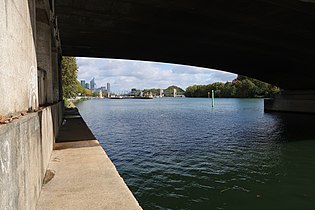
(271, 40)
(26, 144)
(27, 34)
(18, 67)
(47, 51)
(292, 101)
(43, 48)
(25, 149)
(84, 177)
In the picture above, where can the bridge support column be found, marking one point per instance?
(292, 101)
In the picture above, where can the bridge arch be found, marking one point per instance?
(269, 40)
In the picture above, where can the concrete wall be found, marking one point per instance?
(29, 42)
(29, 51)
(292, 101)
(25, 149)
(43, 45)
(18, 66)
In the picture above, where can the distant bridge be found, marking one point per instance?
(174, 93)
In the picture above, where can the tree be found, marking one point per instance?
(154, 91)
(168, 92)
(95, 94)
(69, 77)
(171, 89)
(245, 88)
(87, 92)
(79, 89)
(241, 87)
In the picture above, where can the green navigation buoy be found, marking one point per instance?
(212, 98)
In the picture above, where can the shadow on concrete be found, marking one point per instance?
(76, 144)
(74, 128)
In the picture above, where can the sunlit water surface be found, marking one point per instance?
(179, 153)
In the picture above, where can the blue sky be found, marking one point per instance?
(126, 74)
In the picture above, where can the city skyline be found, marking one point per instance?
(126, 74)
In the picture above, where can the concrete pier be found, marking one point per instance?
(292, 101)
(80, 175)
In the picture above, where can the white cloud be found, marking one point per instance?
(127, 74)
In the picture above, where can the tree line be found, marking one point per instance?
(241, 87)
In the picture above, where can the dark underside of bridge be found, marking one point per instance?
(271, 40)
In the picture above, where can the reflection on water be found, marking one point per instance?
(181, 154)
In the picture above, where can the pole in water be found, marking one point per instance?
(212, 98)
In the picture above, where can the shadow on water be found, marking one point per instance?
(295, 126)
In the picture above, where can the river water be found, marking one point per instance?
(179, 153)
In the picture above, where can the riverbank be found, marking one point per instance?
(70, 103)
(80, 175)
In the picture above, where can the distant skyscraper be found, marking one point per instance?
(108, 89)
(83, 83)
(92, 84)
(87, 85)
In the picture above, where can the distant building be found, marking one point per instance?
(83, 84)
(108, 89)
(92, 84)
(161, 93)
(102, 90)
(134, 92)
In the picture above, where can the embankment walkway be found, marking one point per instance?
(80, 175)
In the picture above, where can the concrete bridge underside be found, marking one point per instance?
(271, 40)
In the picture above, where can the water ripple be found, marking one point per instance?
(181, 154)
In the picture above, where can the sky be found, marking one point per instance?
(126, 74)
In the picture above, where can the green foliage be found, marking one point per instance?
(95, 94)
(87, 92)
(69, 77)
(241, 87)
(135, 92)
(171, 89)
(154, 91)
(79, 89)
(66, 102)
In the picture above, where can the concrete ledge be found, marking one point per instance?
(80, 175)
(85, 178)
